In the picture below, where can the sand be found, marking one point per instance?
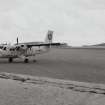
(28, 90)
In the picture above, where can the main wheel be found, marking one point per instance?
(10, 60)
(26, 60)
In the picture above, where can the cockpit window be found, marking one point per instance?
(1, 47)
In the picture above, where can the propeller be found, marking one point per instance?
(17, 41)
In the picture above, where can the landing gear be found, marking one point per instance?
(26, 60)
(10, 60)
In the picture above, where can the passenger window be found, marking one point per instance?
(22, 45)
(12, 49)
(17, 48)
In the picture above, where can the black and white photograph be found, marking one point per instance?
(52, 52)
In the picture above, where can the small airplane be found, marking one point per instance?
(27, 50)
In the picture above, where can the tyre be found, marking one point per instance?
(26, 61)
(10, 60)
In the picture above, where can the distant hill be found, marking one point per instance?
(102, 44)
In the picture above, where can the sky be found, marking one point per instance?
(76, 22)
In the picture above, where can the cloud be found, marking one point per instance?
(77, 22)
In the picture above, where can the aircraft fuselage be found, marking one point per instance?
(8, 53)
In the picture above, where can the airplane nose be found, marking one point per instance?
(1, 53)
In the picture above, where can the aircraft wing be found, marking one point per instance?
(44, 44)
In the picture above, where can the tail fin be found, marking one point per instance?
(49, 37)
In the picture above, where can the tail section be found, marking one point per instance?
(49, 37)
(48, 40)
(45, 47)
